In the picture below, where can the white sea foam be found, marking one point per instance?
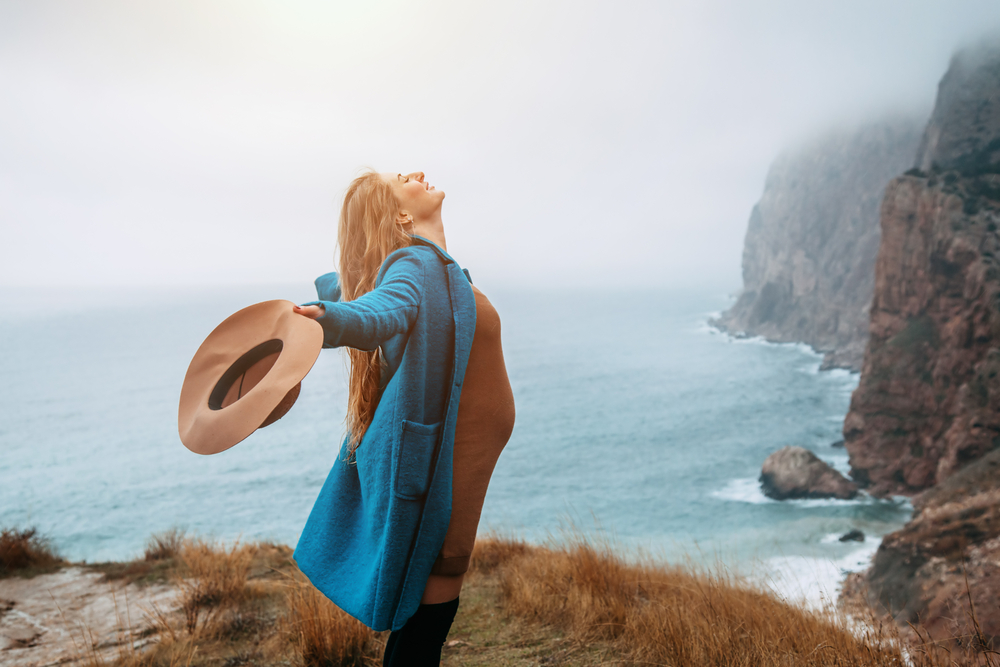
(844, 373)
(747, 490)
(811, 368)
(705, 327)
(815, 582)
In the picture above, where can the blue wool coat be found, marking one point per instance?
(380, 520)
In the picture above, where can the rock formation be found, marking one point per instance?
(795, 472)
(928, 400)
(926, 414)
(853, 535)
(809, 252)
(920, 572)
(964, 130)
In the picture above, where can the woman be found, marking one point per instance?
(429, 410)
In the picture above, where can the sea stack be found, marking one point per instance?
(795, 472)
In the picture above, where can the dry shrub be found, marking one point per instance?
(217, 580)
(656, 614)
(322, 633)
(165, 545)
(23, 549)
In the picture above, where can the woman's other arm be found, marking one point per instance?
(374, 318)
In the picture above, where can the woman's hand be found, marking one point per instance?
(312, 312)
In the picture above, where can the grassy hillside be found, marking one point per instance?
(522, 605)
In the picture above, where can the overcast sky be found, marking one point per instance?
(169, 143)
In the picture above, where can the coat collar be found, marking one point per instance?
(445, 256)
(448, 259)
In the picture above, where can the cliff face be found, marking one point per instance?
(920, 572)
(964, 130)
(926, 414)
(809, 252)
(928, 401)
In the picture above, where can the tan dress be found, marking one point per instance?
(485, 422)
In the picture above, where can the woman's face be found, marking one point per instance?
(416, 196)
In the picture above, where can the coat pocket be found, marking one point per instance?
(413, 458)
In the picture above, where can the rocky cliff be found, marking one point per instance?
(925, 418)
(964, 130)
(928, 400)
(946, 561)
(809, 252)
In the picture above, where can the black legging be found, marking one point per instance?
(419, 642)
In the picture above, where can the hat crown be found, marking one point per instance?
(245, 374)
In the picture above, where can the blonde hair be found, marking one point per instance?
(367, 233)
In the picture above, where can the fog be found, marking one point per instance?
(611, 143)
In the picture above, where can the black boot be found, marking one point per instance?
(419, 642)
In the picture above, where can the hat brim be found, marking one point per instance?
(204, 427)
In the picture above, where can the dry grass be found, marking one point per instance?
(578, 604)
(216, 580)
(656, 614)
(25, 552)
(229, 610)
(165, 545)
(323, 634)
(163, 551)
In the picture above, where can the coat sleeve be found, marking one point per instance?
(373, 318)
(328, 287)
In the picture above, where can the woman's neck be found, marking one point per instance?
(431, 229)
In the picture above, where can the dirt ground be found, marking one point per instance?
(56, 618)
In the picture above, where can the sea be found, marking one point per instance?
(639, 426)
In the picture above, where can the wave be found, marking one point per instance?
(814, 582)
(747, 490)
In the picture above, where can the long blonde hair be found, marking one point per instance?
(368, 232)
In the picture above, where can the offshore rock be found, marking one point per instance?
(853, 535)
(810, 246)
(795, 472)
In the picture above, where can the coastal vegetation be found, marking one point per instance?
(573, 603)
(24, 553)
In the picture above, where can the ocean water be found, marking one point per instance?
(636, 423)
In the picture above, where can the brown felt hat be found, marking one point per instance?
(246, 375)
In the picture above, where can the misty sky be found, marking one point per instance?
(620, 143)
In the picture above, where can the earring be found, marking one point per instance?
(409, 219)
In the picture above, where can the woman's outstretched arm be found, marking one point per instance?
(375, 317)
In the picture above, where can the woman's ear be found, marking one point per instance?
(404, 218)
